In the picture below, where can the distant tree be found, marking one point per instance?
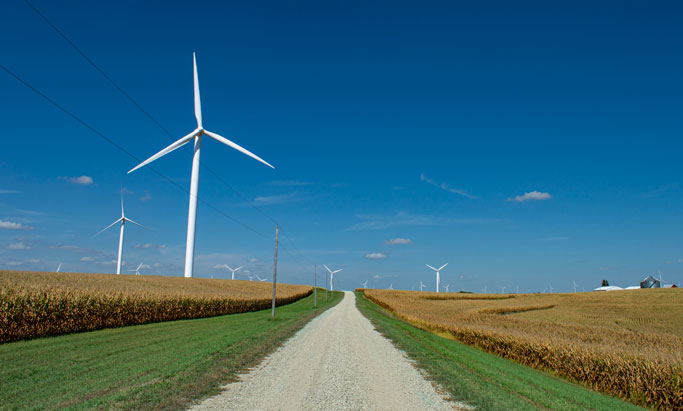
(605, 283)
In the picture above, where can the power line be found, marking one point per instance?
(155, 121)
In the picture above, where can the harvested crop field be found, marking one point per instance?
(36, 304)
(628, 344)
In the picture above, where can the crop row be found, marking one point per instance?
(49, 312)
(644, 382)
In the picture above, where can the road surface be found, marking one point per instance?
(336, 362)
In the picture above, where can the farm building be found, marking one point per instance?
(650, 282)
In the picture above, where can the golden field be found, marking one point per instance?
(624, 343)
(38, 304)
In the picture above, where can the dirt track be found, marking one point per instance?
(336, 362)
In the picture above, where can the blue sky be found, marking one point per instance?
(526, 145)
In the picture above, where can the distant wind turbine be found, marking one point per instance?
(261, 279)
(196, 136)
(575, 285)
(332, 273)
(122, 220)
(365, 284)
(137, 270)
(446, 287)
(502, 291)
(551, 288)
(391, 286)
(59, 267)
(438, 278)
(233, 270)
(421, 285)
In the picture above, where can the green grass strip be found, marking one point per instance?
(483, 380)
(153, 366)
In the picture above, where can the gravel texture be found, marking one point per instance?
(336, 362)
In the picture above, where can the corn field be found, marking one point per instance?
(626, 344)
(46, 304)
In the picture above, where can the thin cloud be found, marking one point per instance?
(379, 277)
(277, 199)
(555, 239)
(531, 196)
(10, 225)
(10, 192)
(662, 189)
(402, 219)
(87, 259)
(146, 197)
(148, 245)
(82, 180)
(289, 183)
(398, 241)
(375, 256)
(19, 246)
(446, 187)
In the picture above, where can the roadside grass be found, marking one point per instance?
(480, 379)
(154, 366)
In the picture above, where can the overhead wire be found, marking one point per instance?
(161, 127)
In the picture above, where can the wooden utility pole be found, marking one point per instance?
(315, 285)
(277, 233)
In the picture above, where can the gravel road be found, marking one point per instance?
(336, 362)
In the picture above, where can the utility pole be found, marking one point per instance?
(277, 233)
(326, 287)
(315, 285)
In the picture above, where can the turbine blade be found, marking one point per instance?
(197, 102)
(338, 271)
(228, 267)
(238, 268)
(442, 267)
(328, 269)
(109, 226)
(431, 267)
(236, 147)
(128, 219)
(167, 150)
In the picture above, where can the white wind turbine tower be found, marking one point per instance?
(575, 285)
(137, 270)
(332, 273)
(196, 136)
(232, 270)
(59, 267)
(122, 220)
(438, 277)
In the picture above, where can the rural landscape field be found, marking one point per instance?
(626, 344)
(34, 304)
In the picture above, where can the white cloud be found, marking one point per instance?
(446, 187)
(33, 260)
(379, 277)
(82, 180)
(289, 183)
(253, 260)
(86, 258)
(148, 245)
(555, 239)
(9, 225)
(403, 219)
(19, 246)
(375, 256)
(396, 241)
(146, 197)
(15, 263)
(531, 195)
(277, 199)
(10, 192)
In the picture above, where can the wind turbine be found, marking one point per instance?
(137, 270)
(233, 270)
(446, 287)
(575, 285)
(332, 273)
(391, 286)
(123, 220)
(59, 267)
(261, 279)
(551, 288)
(421, 285)
(196, 136)
(438, 278)
(502, 291)
(365, 284)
